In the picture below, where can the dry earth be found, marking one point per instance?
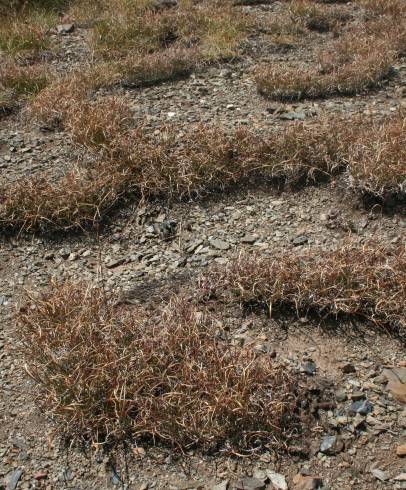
(134, 256)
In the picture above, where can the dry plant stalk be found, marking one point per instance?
(367, 282)
(106, 374)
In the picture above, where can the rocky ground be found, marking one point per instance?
(149, 250)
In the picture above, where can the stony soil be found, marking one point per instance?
(136, 256)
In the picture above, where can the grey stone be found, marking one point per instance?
(341, 396)
(65, 28)
(219, 244)
(330, 445)
(278, 480)
(14, 479)
(249, 239)
(362, 407)
(248, 483)
(300, 240)
(380, 475)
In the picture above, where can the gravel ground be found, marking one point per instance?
(148, 251)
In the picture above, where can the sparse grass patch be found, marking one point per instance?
(367, 282)
(165, 376)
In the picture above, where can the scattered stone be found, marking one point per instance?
(341, 396)
(41, 475)
(178, 484)
(300, 240)
(65, 28)
(401, 450)
(362, 407)
(331, 445)
(379, 474)
(14, 479)
(278, 480)
(249, 239)
(401, 477)
(309, 368)
(348, 368)
(115, 263)
(301, 482)
(248, 483)
(358, 395)
(219, 244)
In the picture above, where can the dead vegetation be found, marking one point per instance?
(377, 158)
(105, 374)
(367, 282)
(138, 165)
(132, 164)
(349, 66)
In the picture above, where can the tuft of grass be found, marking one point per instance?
(106, 374)
(316, 17)
(394, 8)
(170, 164)
(140, 28)
(367, 282)
(350, 66)
(132, 164)
(22, 81)
(377, 158)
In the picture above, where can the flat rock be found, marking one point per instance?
(249, 239)
(65, 28)
(379, 474)
(14, 479)
(278, 480)
(219, 244)
(398, 391)
(248, 483)
(177, 484)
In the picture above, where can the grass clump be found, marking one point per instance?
(367, 282)
(171, 164)
(20, 82)
(167, 377)
(141, 28)
(377, 160)
(316, 17)
(351, 65)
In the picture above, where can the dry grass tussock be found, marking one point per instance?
(350, 65)
(140, 28)
(19, 82)
(377, 160)
(132, 163)
(368, 282)
(167, 377)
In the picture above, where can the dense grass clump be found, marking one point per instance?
(165, 376)
(367, 282)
